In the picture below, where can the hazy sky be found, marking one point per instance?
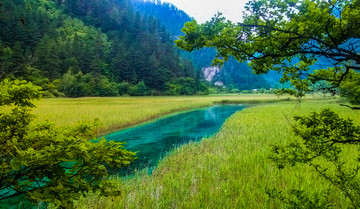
(203, 10)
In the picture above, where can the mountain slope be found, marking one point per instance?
(233, 74)
(88, 48)
(169, 15)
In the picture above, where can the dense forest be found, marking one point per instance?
(107, 48)
(92, 48)
(169, 15)
(234, 75)
(239, 76)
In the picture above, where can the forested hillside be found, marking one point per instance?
(169, 15)
(239, 76)
(233, 74)
(91, 48)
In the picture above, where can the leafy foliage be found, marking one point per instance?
(47, 163)
(299, 199)
(239, 75)
(289, 37)
(323, 139)
(185, 86)
(350, 89)
(307, 42)
(139, 89)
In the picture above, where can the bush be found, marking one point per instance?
(124, 88)
(235, 91)
(183, 86)
(247, 92)
(323, 138)
(203, 89)
(106, 88)
(47, 94)
(72, 85)
(173, 89)
(51, 164)
(351, 89)
(283, 91)
(139, 89)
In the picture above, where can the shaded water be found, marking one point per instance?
(153, 140)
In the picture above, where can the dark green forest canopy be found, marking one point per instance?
(169, 15)
(87, 48)
(233, 75)
(290, 36)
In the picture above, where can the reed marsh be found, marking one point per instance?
(231, 169)
(120, 112)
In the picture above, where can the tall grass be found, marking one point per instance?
(230, 169)
(120, 112)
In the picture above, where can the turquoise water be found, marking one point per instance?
(154, 140)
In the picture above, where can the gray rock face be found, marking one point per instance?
(210, 72)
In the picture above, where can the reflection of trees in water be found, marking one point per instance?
(211, 114)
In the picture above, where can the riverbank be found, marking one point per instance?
(154, 140)
(231, 169)
(122, 112)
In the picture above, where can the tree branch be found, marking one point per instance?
(351, 107)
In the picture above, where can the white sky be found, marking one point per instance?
(204, 10)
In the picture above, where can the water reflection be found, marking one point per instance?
(154, 140)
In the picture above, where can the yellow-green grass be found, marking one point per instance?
(230, 169)
(120, 112)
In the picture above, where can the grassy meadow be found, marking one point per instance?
(121, 112)
(230, 169)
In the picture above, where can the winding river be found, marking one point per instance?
(154, 140)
